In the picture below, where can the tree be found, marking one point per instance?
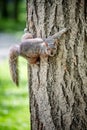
(16, 9)
(4, 7)
(58, 85)
(5, 12)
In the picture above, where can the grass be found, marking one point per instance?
(14, 108)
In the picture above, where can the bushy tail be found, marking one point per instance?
(13, 64)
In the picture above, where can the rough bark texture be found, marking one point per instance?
(58, 86)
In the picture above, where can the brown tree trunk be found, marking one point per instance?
(58, 86)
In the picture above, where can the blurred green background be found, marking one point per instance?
(14, 102)
(12, 15)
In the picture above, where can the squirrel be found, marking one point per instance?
(32, 49)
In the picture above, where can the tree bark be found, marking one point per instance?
(58, 85)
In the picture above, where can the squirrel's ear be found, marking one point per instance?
(13, 64)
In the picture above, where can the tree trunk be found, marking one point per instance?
(16, 9)
(58, 85)
(4, 9)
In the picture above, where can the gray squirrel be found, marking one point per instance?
(32, 49)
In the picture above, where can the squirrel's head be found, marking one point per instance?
(51, 47)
